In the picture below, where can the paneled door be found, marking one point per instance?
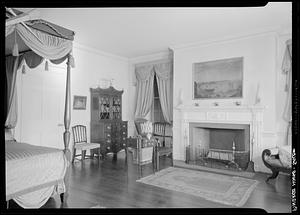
(42, 106)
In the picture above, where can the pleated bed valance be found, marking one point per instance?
(43, 44)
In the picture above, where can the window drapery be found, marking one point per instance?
(163, 77)
(287, 70)
(145, 79)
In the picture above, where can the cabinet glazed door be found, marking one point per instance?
(104, 108)
(95, 108)
(116, 108)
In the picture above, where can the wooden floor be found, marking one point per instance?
(112, 184)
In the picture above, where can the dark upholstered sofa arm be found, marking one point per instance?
(273, 162)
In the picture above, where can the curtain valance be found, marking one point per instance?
(144, 73)
(163, 70)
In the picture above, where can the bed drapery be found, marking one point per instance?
(32, 42)
(11, 64)
(45, 45)
(42, 46)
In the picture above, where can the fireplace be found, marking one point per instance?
(219, 145)
(211, 132)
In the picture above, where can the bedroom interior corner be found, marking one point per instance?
(207, 87)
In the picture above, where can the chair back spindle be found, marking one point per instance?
(79, 134)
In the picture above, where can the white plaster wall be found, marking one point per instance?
(90, 67)
(262, 57)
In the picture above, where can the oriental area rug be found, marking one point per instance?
(228, 190)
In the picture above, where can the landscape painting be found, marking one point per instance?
(218, 79)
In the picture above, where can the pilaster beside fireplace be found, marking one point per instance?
(222, 133)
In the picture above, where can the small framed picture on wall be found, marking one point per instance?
(79, 102)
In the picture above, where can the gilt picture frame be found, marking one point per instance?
(79, 102)
(218, 79)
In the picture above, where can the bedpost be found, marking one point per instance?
(67, 120)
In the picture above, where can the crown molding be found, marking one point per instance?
(98, 52)
(277, 30)
(151, 57)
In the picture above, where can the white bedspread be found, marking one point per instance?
(28, 166)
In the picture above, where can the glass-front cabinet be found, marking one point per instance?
(107, 126)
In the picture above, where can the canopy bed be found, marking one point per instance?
(34, 173)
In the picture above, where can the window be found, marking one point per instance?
(157, 114)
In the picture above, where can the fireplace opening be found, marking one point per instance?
(225, 146)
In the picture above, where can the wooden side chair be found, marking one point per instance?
(162, 149)
(80, 143)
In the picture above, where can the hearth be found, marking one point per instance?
(219, 145)
(223, 115)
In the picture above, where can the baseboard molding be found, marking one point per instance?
(178, 163)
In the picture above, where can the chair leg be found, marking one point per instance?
(157, 161)
(83, 152)
(74, 154)
(153, 167)
(92, 153)
(126, 155)
(99, 154)
(62, 197)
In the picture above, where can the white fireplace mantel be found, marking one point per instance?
(251, 115)
(222, 114)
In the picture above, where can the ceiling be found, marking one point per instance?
(136, 32)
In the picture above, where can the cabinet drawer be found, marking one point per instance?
(124, 125)
(123, 133)
(107, 135)
(107, 127)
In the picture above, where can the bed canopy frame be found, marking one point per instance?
(33, 41)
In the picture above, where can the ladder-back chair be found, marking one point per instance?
(162, 149)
